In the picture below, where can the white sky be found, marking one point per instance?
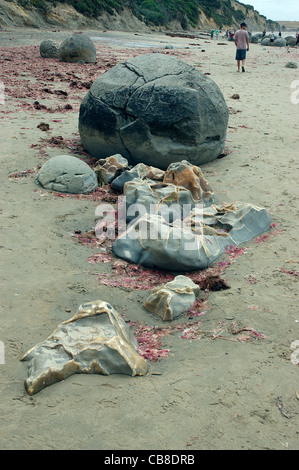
(283, 10)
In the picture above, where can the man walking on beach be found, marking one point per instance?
(242, 45)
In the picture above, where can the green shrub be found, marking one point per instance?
(156, 12)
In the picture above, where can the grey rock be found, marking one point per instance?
(141, 171)
(152, 242)
(194, 243)
(171, 201)
(280, 42)
(172, 299)
(189, 189)
(265, 42)
(154, 109)
(242, 221)
(255, 39)
(291, 65)
(290, 40)
(96, 340)
(190, 177)
(49, 48)
(67, 174)
(108, 168)
(78, 48)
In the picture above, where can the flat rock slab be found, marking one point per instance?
(67, 174)
(154, 109)
(96, 340)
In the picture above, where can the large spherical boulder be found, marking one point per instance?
(67, 174)
(280, 42)
(265, 42)
(49, 48)
(78, 48)
(290, 40)
(255, 39)
(154, 109)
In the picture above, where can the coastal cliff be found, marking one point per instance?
(131, 15)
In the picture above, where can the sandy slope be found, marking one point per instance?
(215, 392)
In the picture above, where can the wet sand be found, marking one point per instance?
(215, 389)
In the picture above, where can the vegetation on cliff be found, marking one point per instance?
(157, 12)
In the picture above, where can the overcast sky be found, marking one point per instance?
(283, 10)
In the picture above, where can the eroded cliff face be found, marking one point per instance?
(253, 19)
(65, 16)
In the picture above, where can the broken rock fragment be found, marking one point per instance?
(108, 168)
(96, 340)
(190, 177)
(172, 299)
(194, 243)
(140, 171)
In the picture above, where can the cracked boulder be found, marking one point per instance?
(49, 48)
(78, 48)
(67, 174)
(154, 109)
(172, 299)
(96, 340)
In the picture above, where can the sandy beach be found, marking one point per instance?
(215, 389)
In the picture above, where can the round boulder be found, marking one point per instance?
(254, 39)
(67, 174)
(291, 65)
(154, 109)
(265, 42)
(280, 42)
(78, 48)
(290, 40)
(49, 48)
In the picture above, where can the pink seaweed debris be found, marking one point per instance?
(291, 273)
(149, 341)
(234, 251)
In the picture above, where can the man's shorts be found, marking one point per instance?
(241, 54)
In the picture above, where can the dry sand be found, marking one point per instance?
(218, 391)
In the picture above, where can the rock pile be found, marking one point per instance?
(75, 48)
